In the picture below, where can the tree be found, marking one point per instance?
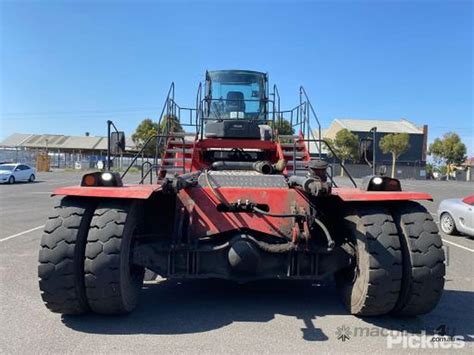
(430, 170)
(450, 149)
(346, 146)
(148, 128)
(284, 127)
(144, 131)
(172, 123)
(397, 144)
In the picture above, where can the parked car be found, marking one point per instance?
(13, 172)
(457, 215)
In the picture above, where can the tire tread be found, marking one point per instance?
(424, 260)
(102, 264)
(384, 267)
(61, 254)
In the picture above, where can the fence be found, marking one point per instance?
(402, 171)
(67, 160)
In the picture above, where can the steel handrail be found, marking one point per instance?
(145, 145)
(313, 111)
(333, 154)
(137, 155)
(143, 176)
(165, 106)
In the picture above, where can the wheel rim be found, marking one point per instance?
(447, 223)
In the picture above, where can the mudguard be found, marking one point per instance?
(353, 194)
(135, 191)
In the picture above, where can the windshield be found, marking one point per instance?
(7, 167)
(237, 94)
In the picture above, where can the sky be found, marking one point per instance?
(68, 66)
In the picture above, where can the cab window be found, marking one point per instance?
(237, 94)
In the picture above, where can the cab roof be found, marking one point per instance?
(236, 70)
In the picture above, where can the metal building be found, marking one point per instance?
(65, 151)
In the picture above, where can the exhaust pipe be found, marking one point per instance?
(263, 167)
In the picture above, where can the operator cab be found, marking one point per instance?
(236, 105)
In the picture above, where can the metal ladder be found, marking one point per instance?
(177, 158)
(296, 154)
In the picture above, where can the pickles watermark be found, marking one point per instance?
(425, 341)
(441, 337)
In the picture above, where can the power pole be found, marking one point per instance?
(374, 132)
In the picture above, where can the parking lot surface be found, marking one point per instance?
(215, 316)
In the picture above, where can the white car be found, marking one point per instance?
(12, 172)
(457, 215)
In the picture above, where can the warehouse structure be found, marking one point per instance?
(82, 152)
(410, 164)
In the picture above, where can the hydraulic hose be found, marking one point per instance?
(330, 241)
(213, 190)
(255, 209)
(288, 215)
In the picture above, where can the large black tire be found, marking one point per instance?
(61, 257)
(113, 283)
(423, 260)
(372, 286)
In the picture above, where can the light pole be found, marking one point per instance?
(374, 131)
(109, 123)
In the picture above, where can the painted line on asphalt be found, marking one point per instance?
(452, 243)
(458, 245)
(21, 233)
(36, 228)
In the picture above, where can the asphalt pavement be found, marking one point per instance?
(215, 316)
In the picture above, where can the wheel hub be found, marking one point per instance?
(447, 223)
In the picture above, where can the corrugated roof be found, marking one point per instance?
(15, 139)
(56, 141)
(385, 126)
(76, 142)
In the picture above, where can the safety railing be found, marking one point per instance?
(310, 115)
(332, 152)
(301, 118)
(157, 166)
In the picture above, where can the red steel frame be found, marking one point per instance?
(201, 205)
